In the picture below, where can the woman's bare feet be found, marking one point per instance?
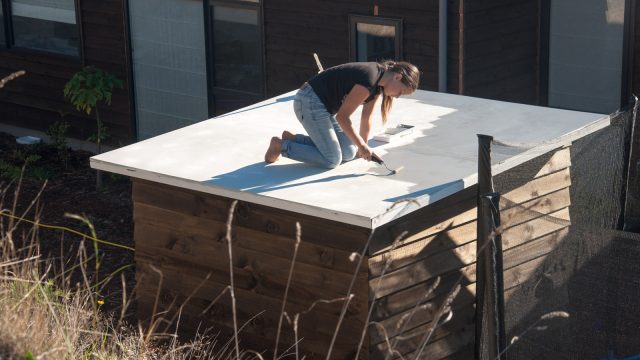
(286, 135)
(273, 153)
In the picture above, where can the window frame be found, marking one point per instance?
(7, 17)
(397, 23)
(212, 89)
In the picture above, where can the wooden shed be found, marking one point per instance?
(185, 181)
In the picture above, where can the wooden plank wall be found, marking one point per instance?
(636, 50)
(455, 38)
(500, 50)
(536, 218)
(181, 233)
(294, 30)
(36, 100)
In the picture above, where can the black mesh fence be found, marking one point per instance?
(571, 279)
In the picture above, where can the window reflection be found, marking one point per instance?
(48, 25)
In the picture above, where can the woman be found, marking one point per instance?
(324, 104)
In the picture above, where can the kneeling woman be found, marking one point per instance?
(324, 104)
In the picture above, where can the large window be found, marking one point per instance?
(235, 54)
(374, 38)
(45, 25)
(169, 64)
(585, 54)
(193, 59)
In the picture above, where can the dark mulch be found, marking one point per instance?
(72, 189)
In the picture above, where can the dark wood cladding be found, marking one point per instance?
(181, 233)
(36, 100)
(636, 49)
(498, 42)
(294, 30)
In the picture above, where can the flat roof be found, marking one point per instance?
(225, 155)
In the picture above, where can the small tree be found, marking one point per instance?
(88, 88)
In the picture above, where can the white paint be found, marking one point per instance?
(224, 155)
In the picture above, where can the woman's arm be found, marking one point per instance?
(365, 120)
(354, 98)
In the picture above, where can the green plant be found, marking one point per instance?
(58, 136)
(87, 89)
(28, 158)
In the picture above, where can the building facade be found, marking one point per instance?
(184, 61)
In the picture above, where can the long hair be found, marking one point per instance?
(410, 77)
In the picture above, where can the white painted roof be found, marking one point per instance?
(225, 155)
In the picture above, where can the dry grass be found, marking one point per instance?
(45, 315)
(52, 309)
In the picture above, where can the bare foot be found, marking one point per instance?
(286, 135)
(273, 153)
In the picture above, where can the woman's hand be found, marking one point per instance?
(365, 152)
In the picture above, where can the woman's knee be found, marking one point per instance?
(349, 152)
(332, 162)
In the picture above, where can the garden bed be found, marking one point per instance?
(70, 188)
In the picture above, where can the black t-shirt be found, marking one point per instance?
(333, 84)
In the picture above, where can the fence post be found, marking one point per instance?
(490, 336)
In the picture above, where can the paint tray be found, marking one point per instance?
(390, 134)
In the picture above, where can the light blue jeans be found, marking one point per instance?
(327, 145)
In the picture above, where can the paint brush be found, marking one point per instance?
(379, 160)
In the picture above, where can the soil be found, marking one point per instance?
(70, 188)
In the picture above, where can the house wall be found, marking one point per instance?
(36, 100)
(498, 45)
(295, 30)
(181, 233)
(635, 72)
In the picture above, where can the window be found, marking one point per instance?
(169, 64)
(45, 25)
(374, 38)
(236, 54)
(583, 65)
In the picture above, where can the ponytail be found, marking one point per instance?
(410, 77)
(385, 107)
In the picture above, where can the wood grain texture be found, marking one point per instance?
(261, 218)
(179, 288)
(182, 233)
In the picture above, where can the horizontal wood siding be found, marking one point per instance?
(500, 50)
(442, 244)
(454, 50)
(295, 30)
(635, 18)
(36, 99)
(181, 233)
